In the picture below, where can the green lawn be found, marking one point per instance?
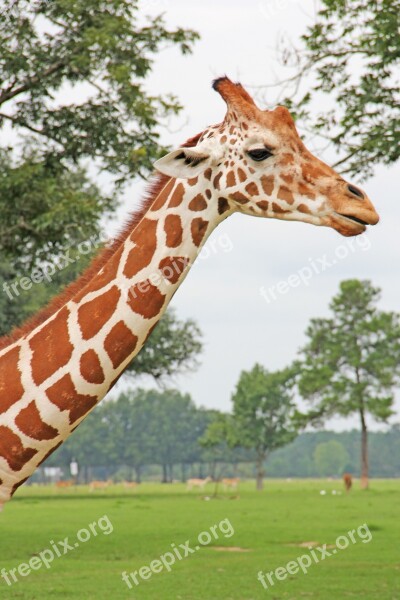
(270, 525)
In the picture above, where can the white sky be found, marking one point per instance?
(222, 292)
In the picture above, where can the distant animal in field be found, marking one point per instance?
(99, 485)
(232, 482)
(130, 484)
(348, 481)
(197, 483)
(65, 484)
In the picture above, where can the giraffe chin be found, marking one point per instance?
(345, 226)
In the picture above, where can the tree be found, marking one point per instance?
(220, 443)
(349, 64)
(72, 74)
(351, 362)
(173, 347)
(263, 408)
(91, 447)
(330, 458)
(174, 428)
(127, 419)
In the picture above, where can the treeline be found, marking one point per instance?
(328, 453)
(142, 430)
(162, 434)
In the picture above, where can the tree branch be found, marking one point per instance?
(10, 93)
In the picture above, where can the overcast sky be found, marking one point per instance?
(222, 292)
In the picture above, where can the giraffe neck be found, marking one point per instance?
(52, 377)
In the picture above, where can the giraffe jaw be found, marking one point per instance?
(347, 225)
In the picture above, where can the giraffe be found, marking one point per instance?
(60, 364)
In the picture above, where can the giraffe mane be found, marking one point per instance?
(156, 185)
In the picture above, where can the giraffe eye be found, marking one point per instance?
(259, 154)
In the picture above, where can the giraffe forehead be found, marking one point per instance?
(242, 136)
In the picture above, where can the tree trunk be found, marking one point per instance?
(183, 472)
(260, 472)
(364, 453)
(138, 471)
(164, 474)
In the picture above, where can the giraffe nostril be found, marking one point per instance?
(355, 191)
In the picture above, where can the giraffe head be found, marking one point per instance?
(254, 162)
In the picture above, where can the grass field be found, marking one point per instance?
(270, 529)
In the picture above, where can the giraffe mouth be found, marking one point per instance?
(355, 219)
(347, 225)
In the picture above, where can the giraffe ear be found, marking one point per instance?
(185, 163)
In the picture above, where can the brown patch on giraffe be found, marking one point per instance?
(239, 197)
(192, 181)
(305, 190)
(223, 205)
(252, 189)
(93, 315)
(288, 178)
(217, 179)
(163, 196)
(172, 267)
(146, 299)
(30, 423)
(145, 238)
(17, 485)
(287, 159)
(241, 174)
(173, 230)
(208, 173)
(268, 182)
(263, 204)
(285, 194)
(107, 275)
(90, 367)
(198, 203)
(51, 347)
(230, 179)
(224, 139)
(120, 343)
(311, 172)
(208, 194)
(198, 229)
(11, 389)
(64, 395)
(177, 196)
(277, 209)
(13, 450)
(244, 125)
(304, 209)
